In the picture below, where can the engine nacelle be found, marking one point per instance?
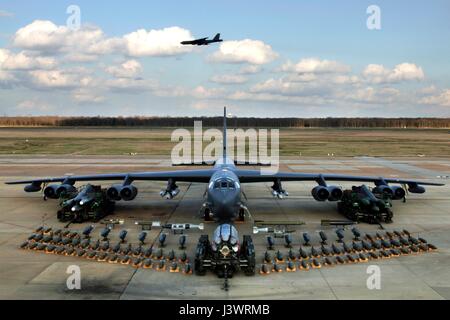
(384, 189)
(415, 188)
(113, 192)
(399, 193)
(320, 193)
(50, 191)
(335, 193)
(34, 187)
(65, 188)
(128, 193)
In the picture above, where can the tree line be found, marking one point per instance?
(233, 122)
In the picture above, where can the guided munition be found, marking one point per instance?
(395, 243)
(414, 240)
(161, 266)
(340, 260)
(183, 257)
(95, 245)
(174, 267)
(328, 262)
(33, 246)
(75, 242)
(306, 238)
(47, 238)
(395, 252)
(102, 256)
(403, 241)
(148, 252)
(24, 245)
(386, 244)
(315, 263)
(123, 235)
(323, 237)
(171, 255)
(367, 246)
(288, 240)
(277, 268)
(347, 248)
(405, 250)
(41, 247)
(363, 257)
(50, 248)
(350, 258)
(187, 268)
(127, 249)
(105, 233)
(291, 267)
(79, 253)
(116, 248)
(414, 248)
(87, 231)
(60, 250)
(124, 259)
(423, 247)
(374, 255)
(356, 233)
(406, 232)
(182, 242)
(112, 258)
(147, 264)
(303, 254)
(335, 249)
(142, 236)
(264, 269)
(136, 262)
(377, 244)
(56, 239)
(162, 239)
(85, 243)
(39, 229)
(432, 247)
(66, 241)
(91, 255)
(357, 246)
(422, 240)
(385, 254)
(291, 255)
(315, 252)
(340, 234)
(389, 235)
(326, 250)
(270, 243)
(159, 254)
(279, 257)
(137, 251)
(104, 246)
(304, 265)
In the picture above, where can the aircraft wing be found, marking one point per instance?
(179, 176)
(247, 176)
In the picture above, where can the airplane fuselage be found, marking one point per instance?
(224, 192)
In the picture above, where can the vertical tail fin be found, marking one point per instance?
(217, 37)
(224, 133)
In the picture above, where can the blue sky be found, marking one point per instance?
(283, 58)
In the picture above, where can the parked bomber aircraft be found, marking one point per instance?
(223, 194)
(203, 41)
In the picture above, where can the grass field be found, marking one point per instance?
(293, 142)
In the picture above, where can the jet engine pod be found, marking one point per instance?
(415, 188)
(399, 192)
(34, 187)
(384, 189)
(335, 193)
(65, 188)
(113, 192)
(50, 191)
(128, 193)
(320, 193)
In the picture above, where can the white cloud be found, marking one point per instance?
(315, 65)
(376, 73)
(130, 85)
(250, 69)
(440, 99)
(86, 96)
(244, 51)
(58, 79)
(164, 42)
(24, 61)
(128, 69)
(228, 79)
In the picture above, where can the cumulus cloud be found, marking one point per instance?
(84, 96)
(315, 65)
(228, 79)
(164, 42)
(128, 69)
(58, 79)
(377, 73)
(440, 99)
(24, 61)
(244, 51)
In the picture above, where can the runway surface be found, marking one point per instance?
(31, 275)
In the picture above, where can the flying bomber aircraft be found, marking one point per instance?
(203, 41)
(223, 195)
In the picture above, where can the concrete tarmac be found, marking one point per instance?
(28, 274)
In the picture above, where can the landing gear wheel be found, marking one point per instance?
(241, 214)
(207, 215)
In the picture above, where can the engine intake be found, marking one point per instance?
(384, 190)
(415, 188)
(50, 191)
(128, 193)
(65, 188)
(399, 193)
(320, 193)
(113, 192)
(335, 193)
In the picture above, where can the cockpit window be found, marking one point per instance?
(224, 184)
